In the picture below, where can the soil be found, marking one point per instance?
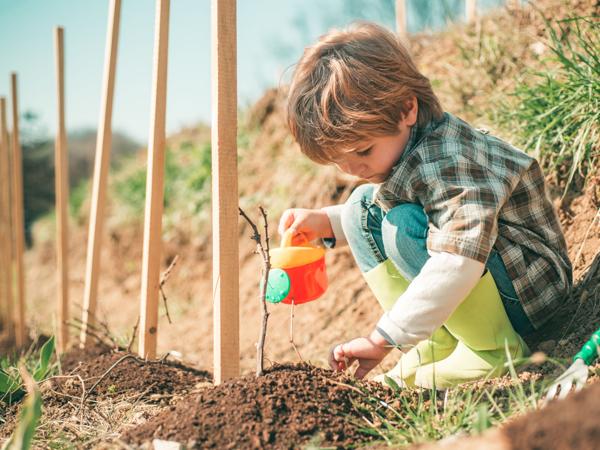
(562, 425)
(570, 424)
(117, 373)
(103, 375)
(289, 406)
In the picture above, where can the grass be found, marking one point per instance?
(186, 182)
(36, 361)
(29, 417)
(558, 116)
(418, 415)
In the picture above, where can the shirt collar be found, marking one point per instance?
(417, 133)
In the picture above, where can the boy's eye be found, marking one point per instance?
(365, 152)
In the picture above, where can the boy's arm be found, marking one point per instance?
(335, 218)
(443, 283)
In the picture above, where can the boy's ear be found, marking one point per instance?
(410, 118)
(413, 112)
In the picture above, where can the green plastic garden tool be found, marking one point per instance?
(576, 375)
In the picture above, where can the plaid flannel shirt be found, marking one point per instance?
(481, 193)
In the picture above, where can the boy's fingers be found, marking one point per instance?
(332, 362)
(286, 220)
(338, 352)
(337, 360)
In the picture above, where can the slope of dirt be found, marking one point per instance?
(273, 173)
(570, 424)
(288, 407)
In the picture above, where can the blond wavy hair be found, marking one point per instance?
(351, 86)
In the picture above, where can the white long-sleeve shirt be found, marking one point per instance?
(443, 283)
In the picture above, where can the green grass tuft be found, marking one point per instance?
(558, 116)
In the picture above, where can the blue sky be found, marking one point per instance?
(271, 35)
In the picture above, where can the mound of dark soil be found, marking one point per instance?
(100, 373)
(571, 424)
(287, 407)
(115, 373)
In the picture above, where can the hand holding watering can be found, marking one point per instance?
(297, 268)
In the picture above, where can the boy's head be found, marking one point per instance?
(354, 86)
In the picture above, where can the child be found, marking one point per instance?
(453, 233)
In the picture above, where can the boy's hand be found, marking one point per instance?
(310, 223)
(368, 351)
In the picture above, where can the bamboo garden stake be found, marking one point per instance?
(154, 188)
(401, 20)
(470, 10)
(101, 165)
(17, 215)
(61, 166)
(224, 191)
(6, 294)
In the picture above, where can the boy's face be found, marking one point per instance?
(377, 156)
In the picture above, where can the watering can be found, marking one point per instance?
(297, 273)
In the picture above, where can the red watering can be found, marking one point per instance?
(297, 273)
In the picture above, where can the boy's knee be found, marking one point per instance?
(404, 233)
(405, 220)
(360, 194)
(353, 210)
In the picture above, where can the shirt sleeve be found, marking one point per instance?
(335, 218)
(462, 201)
(443, 283)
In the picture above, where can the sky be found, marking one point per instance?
(271, 36)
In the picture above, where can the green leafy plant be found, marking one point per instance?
(559, 115)
(30, 415)
(11, 382)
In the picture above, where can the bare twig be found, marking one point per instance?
(349, 386)
(132, 340)
(163, 279)
(109, 370)
(90, 333)
(266, 260)
(167, 273)
(99, 326)
(82, 399)
(292, 331)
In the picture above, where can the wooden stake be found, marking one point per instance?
(61, 166)
(154, 187)
(6, 294)
(18, 215)
(401, 20)
(101, 165)
(225, 191)
(470, 10)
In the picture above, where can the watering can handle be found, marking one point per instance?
(286, 239)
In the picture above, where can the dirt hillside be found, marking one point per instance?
(274, 174)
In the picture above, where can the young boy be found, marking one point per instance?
(453, 233)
